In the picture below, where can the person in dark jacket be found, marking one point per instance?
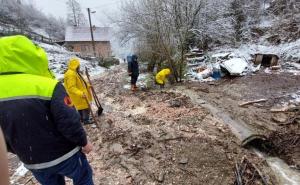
(39, 122)
(4, 177)
(133, 71)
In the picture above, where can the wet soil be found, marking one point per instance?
(163, 137)
(278, 89)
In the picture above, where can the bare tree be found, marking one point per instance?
(165, 30)
(75, 17)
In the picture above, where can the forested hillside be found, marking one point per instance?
(28, 17)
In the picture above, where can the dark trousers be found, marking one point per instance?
(76, 168)
(134, 79)
(161, 85)
(84, 115)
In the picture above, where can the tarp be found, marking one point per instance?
(235, 66)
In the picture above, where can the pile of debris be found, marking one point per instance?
(247, 173)
(286, 142)
(201, 67)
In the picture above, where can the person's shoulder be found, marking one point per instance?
(69, 73)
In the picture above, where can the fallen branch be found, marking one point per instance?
(245, 169)
(251, 102)
(286, 109)
(28, 180)
(238, 175)
(171, 139)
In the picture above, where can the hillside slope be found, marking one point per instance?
(58, 58)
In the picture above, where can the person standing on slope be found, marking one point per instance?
(133, 71)
(39, 123)
(79, 90)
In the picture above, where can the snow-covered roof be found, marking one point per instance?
(79, 34)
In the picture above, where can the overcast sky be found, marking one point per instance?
(103, 8)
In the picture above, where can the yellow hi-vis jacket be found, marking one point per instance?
(76, 86)
(161, 76)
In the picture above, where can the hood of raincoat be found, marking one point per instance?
(18, 54)
(74, 63)
(167, 71)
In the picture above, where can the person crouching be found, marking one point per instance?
(161, 77)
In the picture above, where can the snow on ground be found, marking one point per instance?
(266, 23)
(58, 58)
(19, 173)
(287, 52)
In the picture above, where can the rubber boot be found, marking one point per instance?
(132, 88)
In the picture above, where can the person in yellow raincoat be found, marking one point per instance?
(78, 90)
(161, 77)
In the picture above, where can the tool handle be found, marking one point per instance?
(92, 113)
(96, 99)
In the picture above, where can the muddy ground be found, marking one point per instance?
(268, 118)
(163, 137)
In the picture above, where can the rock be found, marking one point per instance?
(175, 103)
(280, 118)
(161, 177)
(205, 90)
(109, 121)
(183, 161)
(201, 102)
(116, 148)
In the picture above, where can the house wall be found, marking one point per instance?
(103, 49)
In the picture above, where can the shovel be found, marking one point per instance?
(100, 109)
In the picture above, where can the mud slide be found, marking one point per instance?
(240, 129)
(284, 174)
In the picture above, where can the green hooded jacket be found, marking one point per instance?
(22, 62)
(18, 54)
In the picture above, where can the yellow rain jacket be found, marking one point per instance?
(161, 77)
(76, 86)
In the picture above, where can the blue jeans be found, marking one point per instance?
(76, 168)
